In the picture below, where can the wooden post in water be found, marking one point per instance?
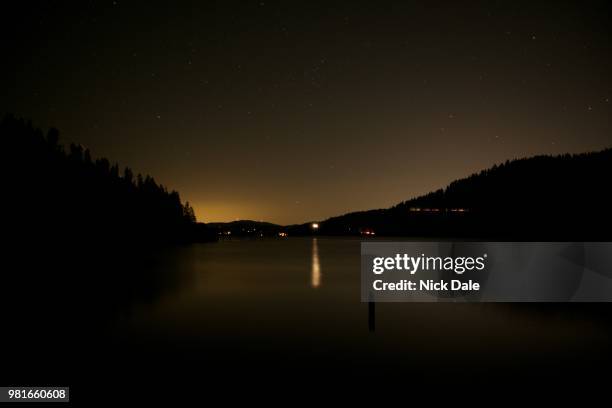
(371, 313)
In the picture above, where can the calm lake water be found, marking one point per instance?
(296, 301)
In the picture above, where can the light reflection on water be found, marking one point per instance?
(315, 275)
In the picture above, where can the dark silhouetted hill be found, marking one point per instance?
(67, 191)
(555, 198)
(245, 228)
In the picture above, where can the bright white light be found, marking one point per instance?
(315, 225)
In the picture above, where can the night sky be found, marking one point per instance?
(290, 112)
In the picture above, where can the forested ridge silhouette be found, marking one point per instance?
(555, 198)
(67, 190)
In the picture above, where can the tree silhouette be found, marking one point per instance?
(87, 199)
